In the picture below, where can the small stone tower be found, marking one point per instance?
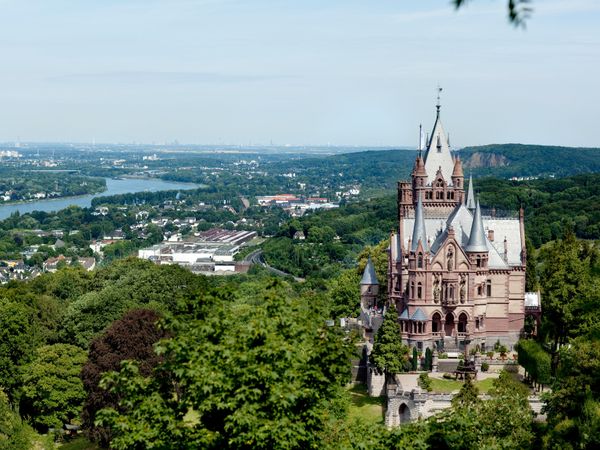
(369, 286)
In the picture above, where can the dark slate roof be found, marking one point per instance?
(369, 276)
(419, 316)
(419, 232)
(477, 239)
(470, 203)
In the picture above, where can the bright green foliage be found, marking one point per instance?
(14, 433)
(535, 360)
(467, 396)
(503, 422)
(572, 407)
(389, 354)
(17, 340)
(566, 288)
(255, 373)
(52, 389)
(425, 382)
(127, 285)
(344, 293)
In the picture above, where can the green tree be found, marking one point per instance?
(17, 341)
(344, 293)
(14, 432)
(566, 287)
(389, 354)
(245, 369)
(52, 389)
(572, 407)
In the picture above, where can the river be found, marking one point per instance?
(113, 187)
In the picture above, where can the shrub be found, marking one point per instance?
(425, 382)
(443, 355)
(485, 367)
(448, 376)
(490, 355)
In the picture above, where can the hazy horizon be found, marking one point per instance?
(343, 73)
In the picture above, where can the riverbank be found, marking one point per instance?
(113, 187)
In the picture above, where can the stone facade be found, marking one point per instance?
(456, 271)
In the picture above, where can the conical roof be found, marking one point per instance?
(438, 153)
(369, 276)
(419, 233)
(477, 239)
(470, 203)
(458, 170)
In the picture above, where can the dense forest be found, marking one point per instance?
(153, 356)
(334, 238)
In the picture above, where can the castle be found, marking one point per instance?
(456, 272)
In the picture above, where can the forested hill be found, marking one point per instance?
(516, 160)
(381, 169)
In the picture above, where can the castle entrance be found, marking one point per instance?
(449, 326)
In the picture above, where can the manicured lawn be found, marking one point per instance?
(447, 386)
(365, 408)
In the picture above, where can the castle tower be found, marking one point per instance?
(476, 246)
(369, 286)
(470, 203)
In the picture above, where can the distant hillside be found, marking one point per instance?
(509, 160)
(381, 169)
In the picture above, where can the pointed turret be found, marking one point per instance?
(438, 151)
(398, 248)
(419, 233)
(477, 238)
(369, 277)
(458, 170)
(470, 203)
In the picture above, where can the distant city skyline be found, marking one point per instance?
(304, 73)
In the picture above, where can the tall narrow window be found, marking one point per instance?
(420, 261)
(488, 288)
(419, 290)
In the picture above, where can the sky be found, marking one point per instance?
(302, 72)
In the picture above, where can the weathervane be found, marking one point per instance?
(438, 106)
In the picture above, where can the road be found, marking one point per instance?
(256, 257)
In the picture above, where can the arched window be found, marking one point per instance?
(419, 290)
(436, 323)
(412, 289)
(462, 323)
(420, 261)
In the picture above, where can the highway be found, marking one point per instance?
(256, 257)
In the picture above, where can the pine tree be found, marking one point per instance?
(389, 353)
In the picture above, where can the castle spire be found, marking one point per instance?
(369, 276)
(398, 248)
(419, 233)
(438, 104)
(470, 204)
(477, 238)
